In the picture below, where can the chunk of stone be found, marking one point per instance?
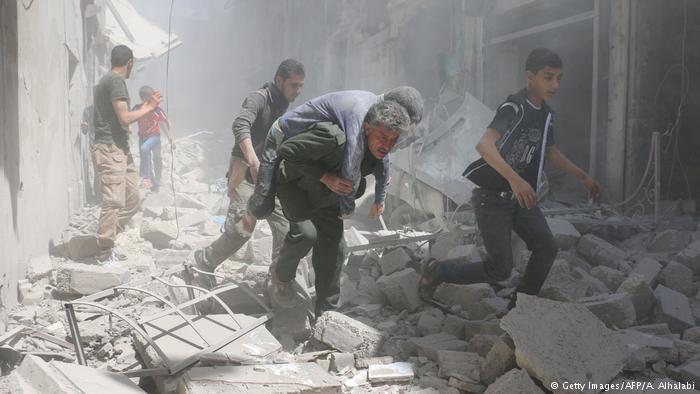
(561, 285)
(81, 246)
(673, 308)
(599, 252)
(158, 233)
(430, 321)
(463, 295)
(612, 278)
(347, 334)
(390, 373)
(499, 359)
(460, 365)
(641, 294)
(690, 256)
(512, 379)
(401, 289)
(39, 267)
(481, 344)
(429, 345)
(454, 325)
(475, 327)
(76, 278)
(615, 310)
(564, 233)
(678, 277)
(648, 268)
(548, 333)
(668, 240)
(393, 261)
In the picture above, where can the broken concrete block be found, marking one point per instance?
(599, 252)
(561, 285)
(481, 344)
(641, 294)
(487, 308)
(692, 334)
(690, 372)
(39, 267)
(167, 258)
(29, 294)
(341, 362)
(615, 310)
(263, 379)
(86, 279)
(430, 321)
(63, 378)
(429, 345)
(369, 292)
(460, 365)
(390, 373)
(464, 386)
(595, 286)
(463, 295)
(648, 268)
(678, 277)
(498, 360)
(612, 278)
(81, 246)
(668, 240)
(475, 327)
(353, 238)
(401, 289)
(454, 325)
(690, 256)
(673, 308)
(470, 253)
(547, 333)
(512, 379)
(347, 334)
(259, 250)
(394, 261)
(158, 233)
(564, 233)
(194, 219)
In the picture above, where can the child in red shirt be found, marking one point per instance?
(151, 167)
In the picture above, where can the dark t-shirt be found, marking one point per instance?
(522, 148)
(108, 130)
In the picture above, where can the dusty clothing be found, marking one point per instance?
(108, 129)
(233, 238)
(312, 209)
(120, 193)
(260, 109)
(347, 109)
(150, 124)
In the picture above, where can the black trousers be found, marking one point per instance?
(497, 217)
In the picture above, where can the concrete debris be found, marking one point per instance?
(512, 379)
(466, 386)
(267, 378)
(498, 360)
(463, 295)
(599, 252)
(81, 246)
(470, 253)
(167, 258)
(347, 334)
(615, 310)
(564, 233)
(690, 256)
(678, 277)
(648, 268)
(391, 373)
(429, 345)
(159, 234)
(669, 240)
(342, 362)
(642, 296)
(672, 308)
(612, 278)
(39, 267)
(561, 285)
(401, 289)
(461, 365)
(430, 321)
(394, 261)
(558, 342)
(481, 344)
(454, 325)
(76, 278)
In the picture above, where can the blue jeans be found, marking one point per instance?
(497, 217)
(150, 150)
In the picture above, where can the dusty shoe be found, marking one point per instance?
(429, 280)
(205, 281)
(284, 294)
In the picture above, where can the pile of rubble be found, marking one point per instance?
(618, 307)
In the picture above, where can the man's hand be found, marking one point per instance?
(337, 184)
(154, 101)
(254, 168)
(376, 210)
(345, 216)
(594, 189)
(523, 193)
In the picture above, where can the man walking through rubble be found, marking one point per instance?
(110, 151)
(259, 110)
(309, 162)
(513, 150)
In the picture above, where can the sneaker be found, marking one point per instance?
(283, 294)
(205, 281)
(429, 280)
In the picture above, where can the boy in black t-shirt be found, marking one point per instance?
(513, 151)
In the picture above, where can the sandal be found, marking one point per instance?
(429, 280)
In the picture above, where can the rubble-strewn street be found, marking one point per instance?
(611, 311)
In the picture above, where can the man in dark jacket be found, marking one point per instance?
(259, 110)
(313, 208)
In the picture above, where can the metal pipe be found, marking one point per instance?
(75, 333)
